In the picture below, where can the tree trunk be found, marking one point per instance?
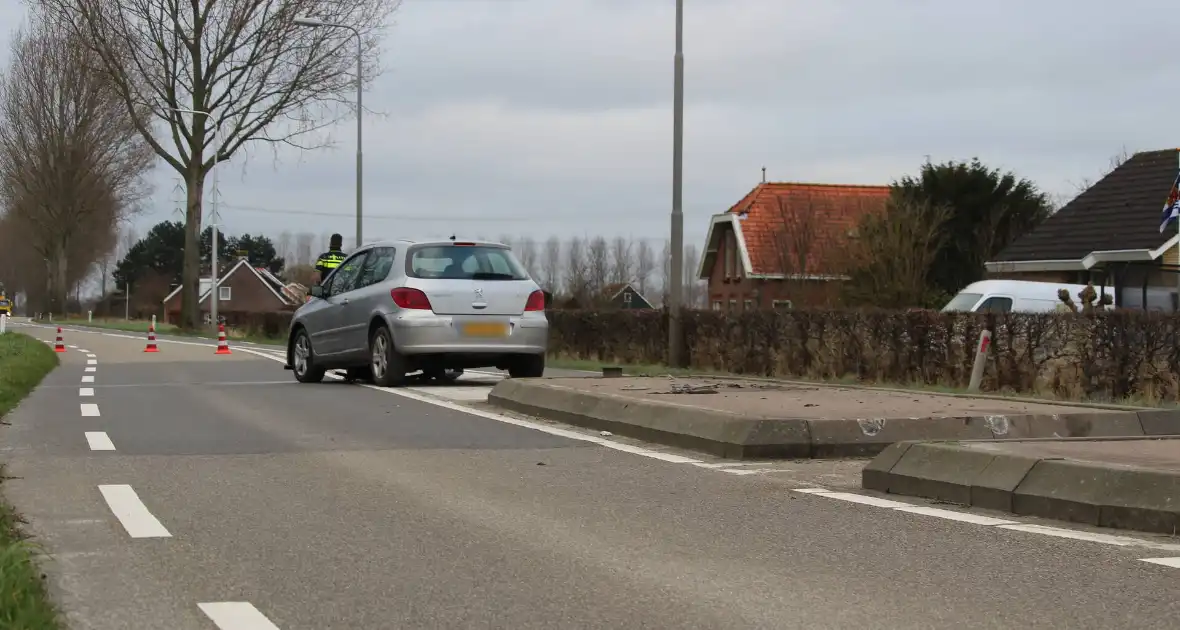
(61, 290)
(191, 275)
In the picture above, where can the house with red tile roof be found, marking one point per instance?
(783, 245)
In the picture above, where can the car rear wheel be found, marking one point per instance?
(386, 363)
(527, 366)
(306, 371)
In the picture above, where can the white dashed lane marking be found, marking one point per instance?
(88, 378)
(89, 410)
(99, 441)
(132, 513)
(91, 362)
(85, 391)
(236, 616)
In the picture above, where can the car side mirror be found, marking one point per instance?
(317, 291)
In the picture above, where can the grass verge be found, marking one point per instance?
(24, 599)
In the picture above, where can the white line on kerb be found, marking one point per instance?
(85, 391)
(236, 616)
(90, 410)
(99, 441)
(132, 513)
(88, 379)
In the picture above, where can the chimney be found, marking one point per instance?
(763, 174)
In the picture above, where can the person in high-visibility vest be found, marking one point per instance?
(331, 259)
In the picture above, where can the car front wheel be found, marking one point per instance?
(387, 364)
(305, 368)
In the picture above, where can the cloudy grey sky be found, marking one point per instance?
(539, 117)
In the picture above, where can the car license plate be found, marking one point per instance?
(497, 329)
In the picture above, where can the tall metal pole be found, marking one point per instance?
(359, 139)
(314, 23)
(675, 295)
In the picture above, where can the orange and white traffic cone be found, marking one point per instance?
(151, 344)
(222, 344)
(59, 345)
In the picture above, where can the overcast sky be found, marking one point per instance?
(539, 117)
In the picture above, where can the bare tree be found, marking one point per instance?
(526, 251)
(303, 242)
(258, 74)
(598, 265)
(577, 271)
(890, 257)
(508, 240)
(622, 267)
(665, 272)
(794, 241)
(285, 246)
(71, 160)
(551, 264)
(694, 290)
(645, 265)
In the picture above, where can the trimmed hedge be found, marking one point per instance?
(1110, 356)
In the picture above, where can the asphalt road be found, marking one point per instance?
(234, 496)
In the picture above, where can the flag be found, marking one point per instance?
(1171, 209)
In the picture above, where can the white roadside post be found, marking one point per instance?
(90, 317)
(3, 324)
(985, 340)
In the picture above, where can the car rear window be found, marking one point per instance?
(464, 262)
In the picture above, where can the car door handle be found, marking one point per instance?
(479, 305)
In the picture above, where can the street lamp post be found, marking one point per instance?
(312, 22)
(214, 284)
(675, 295)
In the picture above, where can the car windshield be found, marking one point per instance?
(464, 262)
(962, 302)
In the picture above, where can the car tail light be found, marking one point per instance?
(463, 244)
(405, 297)
(536, 301)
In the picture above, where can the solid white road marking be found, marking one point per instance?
(85, 391)
(91, 362)
(87, 379)
(861, 499)
(99, 441)
(951, 515)
(90, 410)
(1167, 562)
(91, 369)
(132, 513)
(236, 616)
(1059, 532)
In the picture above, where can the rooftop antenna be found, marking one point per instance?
(452, 237)
(763, 174)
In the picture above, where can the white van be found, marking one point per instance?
(1023, 296)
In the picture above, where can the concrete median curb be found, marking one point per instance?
(1105, 495)
(748, 437)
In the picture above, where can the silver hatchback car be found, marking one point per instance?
(439, 307)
